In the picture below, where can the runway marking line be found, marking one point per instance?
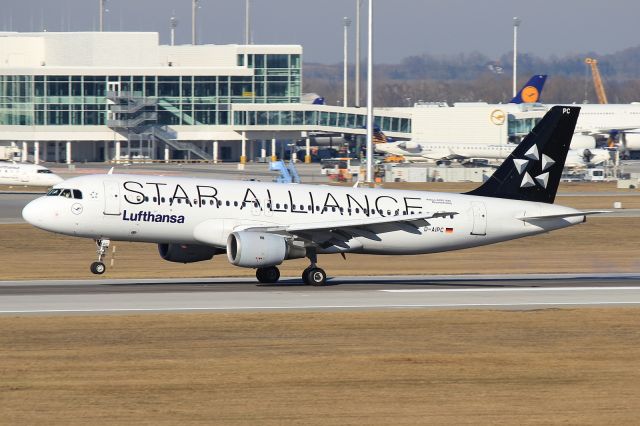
(461, 290)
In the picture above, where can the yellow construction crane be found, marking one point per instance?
(597, 80)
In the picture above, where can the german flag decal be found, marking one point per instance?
(448, 230)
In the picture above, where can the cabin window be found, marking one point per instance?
(235, 204)
(77, 194)
(54, 192)
(66, 193)
(155, 199)
(286, 206)
(162, 200)
(357, 210)
(227, 203)
(44, 171)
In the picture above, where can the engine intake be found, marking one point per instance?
(260, 249)
(186, 253)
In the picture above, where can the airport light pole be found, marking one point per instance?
(173, 23)
(247, 22)
(194, 7)
(370, 95)
(102, 10)
(516, 24)
(345, 74)
(357, 94)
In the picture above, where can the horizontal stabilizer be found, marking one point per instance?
(563, 215)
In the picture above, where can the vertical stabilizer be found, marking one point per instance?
(533, 170)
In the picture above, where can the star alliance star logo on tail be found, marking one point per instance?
(521, 165)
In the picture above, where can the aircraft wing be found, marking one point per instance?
(343, 230)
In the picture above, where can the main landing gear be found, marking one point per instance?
(312, 275)
(268, 275)
(98, 267)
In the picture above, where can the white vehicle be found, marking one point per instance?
(595, 175)
(27, 174)
(439, 152)
(260, 225)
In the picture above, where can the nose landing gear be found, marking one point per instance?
(98, 267)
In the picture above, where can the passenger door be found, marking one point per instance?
(111, 197)
(479, 218)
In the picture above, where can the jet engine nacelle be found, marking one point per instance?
(259, 249)
(186, 253)
(632, 141)
(410, 145)
(579, 141)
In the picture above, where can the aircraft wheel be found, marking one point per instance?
(305, 275)
(316, 277)
(268, 275)
(98, 268)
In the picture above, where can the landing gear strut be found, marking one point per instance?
(268, 275)
(98, 267)
(313, 275)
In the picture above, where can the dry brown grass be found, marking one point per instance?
(401, 367)
(600, 245)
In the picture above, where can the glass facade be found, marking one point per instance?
(319, 118)
(180, 100)
(521, 126)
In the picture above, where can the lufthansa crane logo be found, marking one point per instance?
(497, 117)
(530, 94)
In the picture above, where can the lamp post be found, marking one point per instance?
(516, 24)
(247, 22)
(194, 7)
(357, 94)
(370, 95)
(345, 74)
(102, 10)
(173, 23)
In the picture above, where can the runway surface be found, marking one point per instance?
(344, 293)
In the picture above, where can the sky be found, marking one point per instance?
(402, 27)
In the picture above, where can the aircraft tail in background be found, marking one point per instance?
(531, 91)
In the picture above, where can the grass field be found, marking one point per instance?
(575, 367)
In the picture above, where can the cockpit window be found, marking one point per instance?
(67, 193)
(44, 171)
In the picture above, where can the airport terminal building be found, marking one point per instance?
(118, 96)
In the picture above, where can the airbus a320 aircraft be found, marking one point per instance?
(27, 174)
(260, 225)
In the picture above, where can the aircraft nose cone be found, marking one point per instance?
(32, 212)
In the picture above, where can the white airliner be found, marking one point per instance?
(260, 225)
(437, 152)
(27, 174)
